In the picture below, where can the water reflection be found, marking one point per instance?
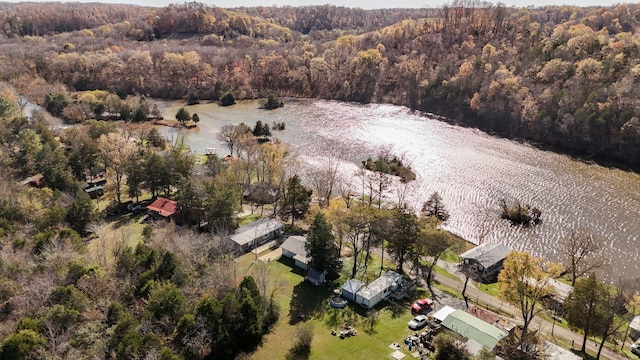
(470, 169)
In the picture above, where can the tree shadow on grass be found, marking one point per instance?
(296, 354)
(308, 301)
(397, 308)
(291, 263)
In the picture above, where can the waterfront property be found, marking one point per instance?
(484, 262)
(391, 284)
(257, 233)
(477, 331)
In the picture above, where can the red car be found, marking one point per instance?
(422, 305)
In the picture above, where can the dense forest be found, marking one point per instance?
(566, 77)
(84, 278)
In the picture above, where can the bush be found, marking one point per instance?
(140, 115)
(272, 102)
(303, 336)
(183, 115)
(115, 313)
(21, 345)
(227, 99)
(519, 214)
(193, 99)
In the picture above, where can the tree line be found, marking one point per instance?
(560, 76)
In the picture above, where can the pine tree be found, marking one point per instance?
(320, 245)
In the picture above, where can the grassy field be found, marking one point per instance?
(377, 329)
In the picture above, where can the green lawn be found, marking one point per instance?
(248, 219)
(376, 329)
(491, 289)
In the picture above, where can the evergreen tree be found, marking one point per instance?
(193, 99)
(320, 245)
(80, 212)
(21, 345)
(295, 201)
(435, 207)
(404, 234)
(183, 115)
(140, 115)
(227, 99)
(257, 130)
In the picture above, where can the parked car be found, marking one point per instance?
(418, 322)
(421, 306)
(134, 207)
(635, 348)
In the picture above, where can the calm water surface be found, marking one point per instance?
(470, 169)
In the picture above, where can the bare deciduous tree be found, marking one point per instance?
(581, 253)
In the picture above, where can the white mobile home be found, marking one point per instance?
(370, 295)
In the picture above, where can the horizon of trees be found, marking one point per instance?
(564, 77)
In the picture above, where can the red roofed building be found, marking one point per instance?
(162, 207)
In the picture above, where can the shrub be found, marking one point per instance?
(183, 115)
(227, 99)
(193, 99)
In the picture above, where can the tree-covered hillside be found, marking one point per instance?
(561, 76)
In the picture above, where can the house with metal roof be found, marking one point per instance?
(442, 314)
(474, 329)
(257, 233)
(294, 248)
(484, 262)
(163, 208)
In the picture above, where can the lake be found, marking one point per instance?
(470, 169)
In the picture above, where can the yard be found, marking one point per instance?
(300, 301)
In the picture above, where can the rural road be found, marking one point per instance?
(476, 296)
(545, 327)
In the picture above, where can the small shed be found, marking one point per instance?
(484, 262)
(315, 277)
(163, 208)
(370, 295)
(294, 248)
(634, 328)
(474, 329)
(94, 191)
(351, 288)
(257, 233)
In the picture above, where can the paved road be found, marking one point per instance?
(476, 296)
(545, 327)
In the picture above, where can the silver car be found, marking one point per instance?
(418, 322)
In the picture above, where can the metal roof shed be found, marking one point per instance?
(474, 329)
(442, 314)
(350, 288)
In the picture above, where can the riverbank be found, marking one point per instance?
(175, 124)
